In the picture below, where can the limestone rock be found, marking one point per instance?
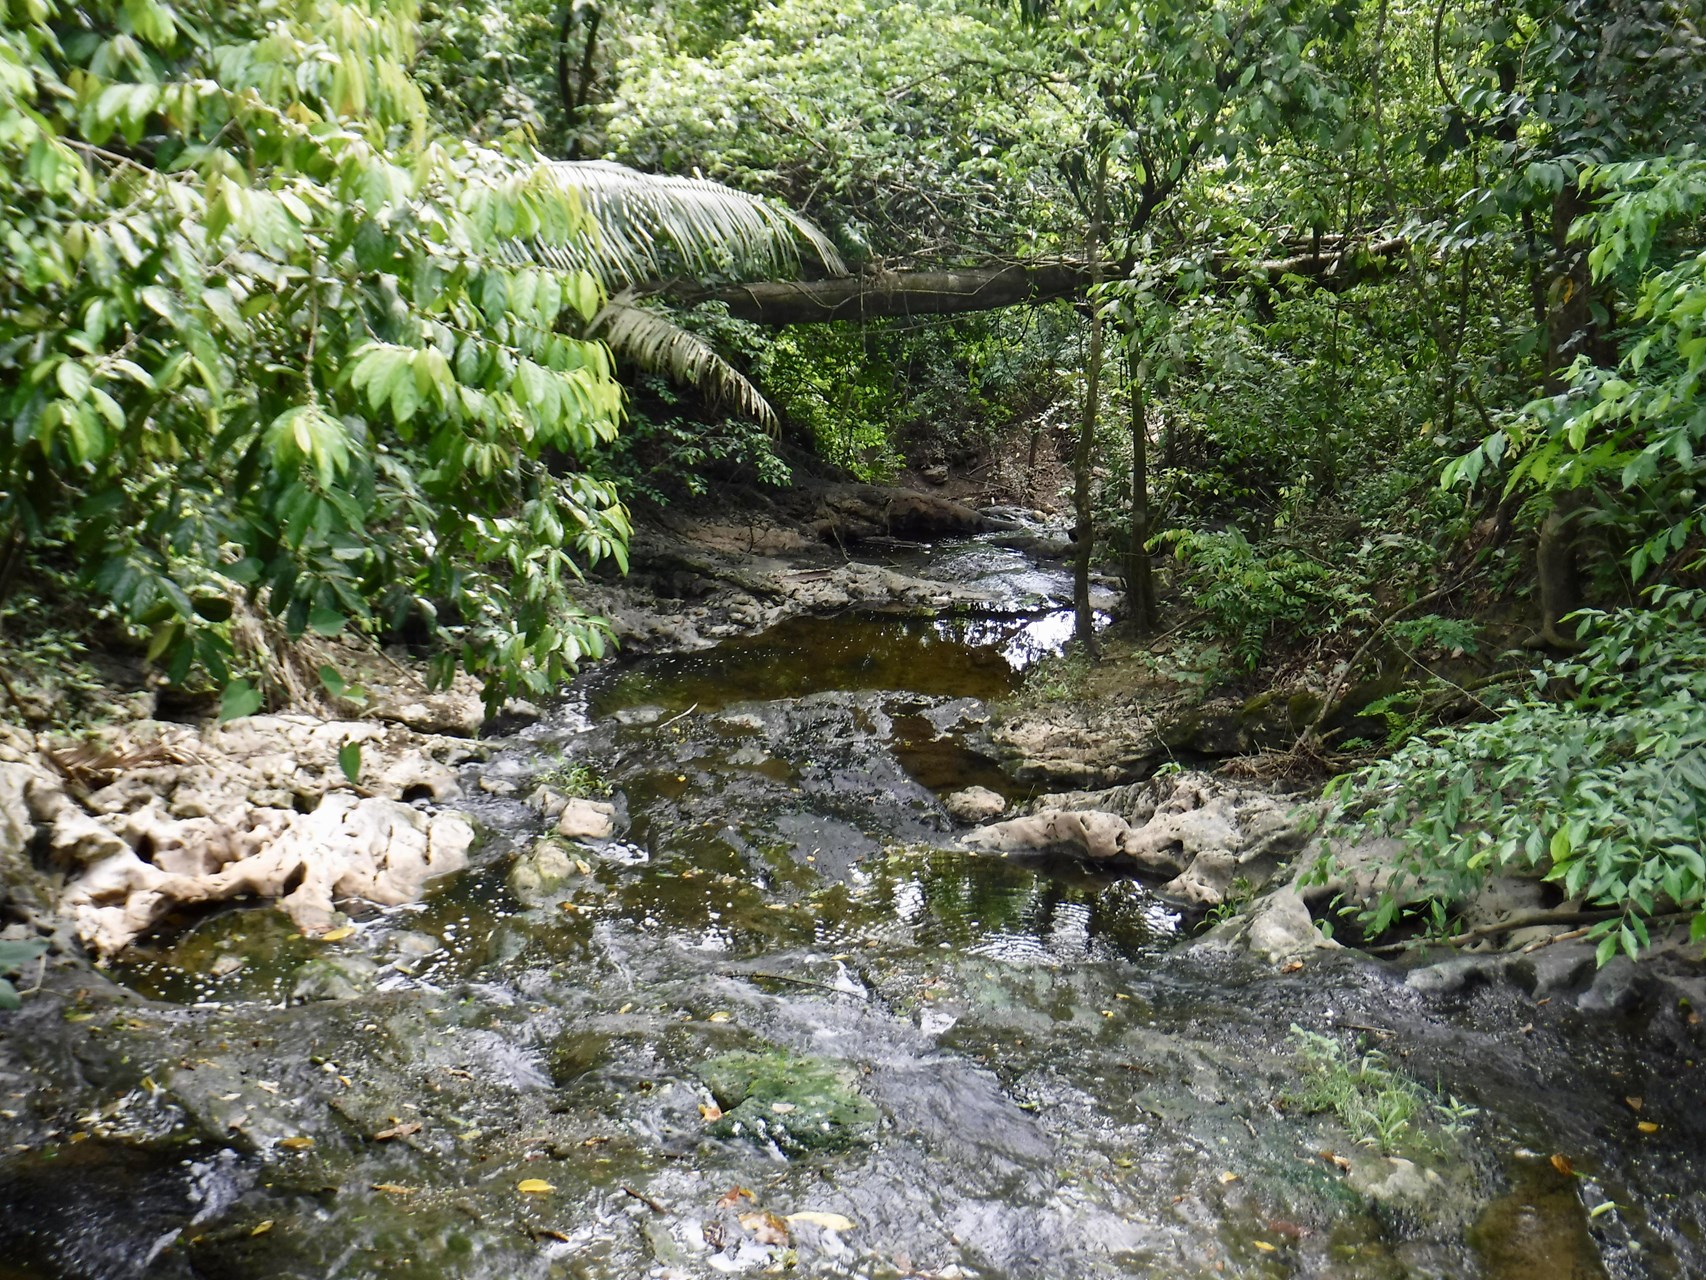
(586, 820)
(381, 850)
(1394, 1181)
(1281, 928)
(1202, 832)
(975, 805)
(542, 872)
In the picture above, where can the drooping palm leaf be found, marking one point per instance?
(654, 342)
(652, 227)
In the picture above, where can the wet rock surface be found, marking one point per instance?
(555, 1062)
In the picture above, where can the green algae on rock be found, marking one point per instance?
(799, 1103)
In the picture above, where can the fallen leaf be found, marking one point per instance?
(545, 1233)
(594, 1142)
(1107, 1013)
(765, 1226)
(267, 1085)
(1635, 1104)
(1562, 1164)
(534, 1187)
(720, 1016)
(397, 1131)
(582, 867)
(1601, 1209)
(1228, 1177)
(338, 935)
(296, 1144)
(1293, 967)
(1332, 1157)
(1263, 1245)
(732, 1197)
(627, 1008)
(1647, 1126)
(828, 1221)
(261, 1228)
(393, 1189)
(711, 1112)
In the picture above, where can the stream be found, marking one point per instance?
(780, 1023)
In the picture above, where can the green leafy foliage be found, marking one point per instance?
(1594, 778)
(1381, 1107)
(263, 336)
(1247, 593)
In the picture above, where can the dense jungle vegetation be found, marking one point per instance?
(1373, 331)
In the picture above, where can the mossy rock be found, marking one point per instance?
(800, 1104)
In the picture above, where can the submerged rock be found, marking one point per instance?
(799, 1103)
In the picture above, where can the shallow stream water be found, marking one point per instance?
(782, 1024)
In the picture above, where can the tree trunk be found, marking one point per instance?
(1139, 577)
(1571, 330)
(1084, 455)
(888, 294)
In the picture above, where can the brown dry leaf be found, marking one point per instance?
(1635, 1104)
(711, 1112)
(338, 935)
(546, 1233)
(397, 1131)
(296, 1144)
(1647, 1126)
(1293, 967)
(828, 1221)
(534, 1187)
(262, 1228)
(1562, 1164)
(765, 1226)
(595, 1142)
(733, 1196)
(1334, 1158)
(393, 1189)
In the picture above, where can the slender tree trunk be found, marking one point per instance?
(1084, 455)
(1139, 578)
(1571, 330)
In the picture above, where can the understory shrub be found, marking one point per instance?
(1592, 777)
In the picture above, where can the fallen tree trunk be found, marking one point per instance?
(887, 294)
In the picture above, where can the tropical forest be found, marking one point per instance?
(867, 639)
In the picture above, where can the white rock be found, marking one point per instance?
(975, 805)
(586, 820)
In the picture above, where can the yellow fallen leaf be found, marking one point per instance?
(534, 1186)
(1228, 1177)
(720, 1016)
(1647, 1126)
(711, 1112)
(1107, 1013)
(393, 1189)
(1635, 1104)
(338, 935)
(261, 1228)
(627, 1008)
(1264, 1246)
(296, 1144)
(582, 867)
(828, 1221)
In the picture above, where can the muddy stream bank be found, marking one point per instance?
(780, 1020)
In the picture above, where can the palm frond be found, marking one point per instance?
(652, 226)
(654, 342)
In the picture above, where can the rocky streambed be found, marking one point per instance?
(724, 985)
